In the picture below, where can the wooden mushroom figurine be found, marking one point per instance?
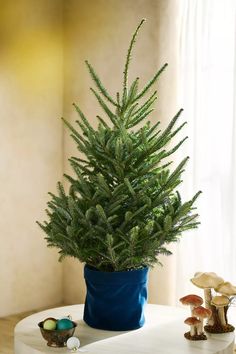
(191, 300)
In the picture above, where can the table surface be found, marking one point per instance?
(163, 333)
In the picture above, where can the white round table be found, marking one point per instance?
(163, 333)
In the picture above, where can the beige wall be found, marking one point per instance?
(36, 87)
(30, 150)
(100, 30)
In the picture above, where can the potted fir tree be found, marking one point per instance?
(122, 208)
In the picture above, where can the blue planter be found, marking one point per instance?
(115, 300)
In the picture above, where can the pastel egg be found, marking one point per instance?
(64, 323)
(50, 324)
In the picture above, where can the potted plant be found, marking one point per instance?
(122, 208)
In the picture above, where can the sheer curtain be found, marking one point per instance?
(207, 58)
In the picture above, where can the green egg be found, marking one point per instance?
(64, 323)
(49, 324)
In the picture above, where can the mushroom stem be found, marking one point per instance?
(191, 309)
(192, 330)
(200, 326)
(221, 313)
(208, 298)
(226, 310)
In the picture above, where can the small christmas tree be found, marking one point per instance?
(122, 208)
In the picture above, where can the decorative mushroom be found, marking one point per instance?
(192, 300)
(229, 290)
(220, 302)
(193, 322)
(201, 313)
(207, 281)
(226, 288)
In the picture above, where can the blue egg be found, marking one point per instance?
(64, 323)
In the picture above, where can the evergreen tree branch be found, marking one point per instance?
(122, 208)
(147, 104)
(151, 82)
(170, 152)
(103, 122)
(128, 58)
(83, 118)
(139, 118)
(106, 109)
(132, 93)
(99, 84)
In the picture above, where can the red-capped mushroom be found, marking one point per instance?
(201, 312)
(192, 300)
(193, 322)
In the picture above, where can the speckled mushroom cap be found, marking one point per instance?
(220, 301)
(191, 299)
(207, 280)
(226, 289)
(202, 312)
(192, 321)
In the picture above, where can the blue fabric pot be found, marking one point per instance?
(115, 300)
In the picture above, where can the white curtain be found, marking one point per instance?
(207, 58)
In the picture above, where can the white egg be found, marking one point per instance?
(73, 343)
